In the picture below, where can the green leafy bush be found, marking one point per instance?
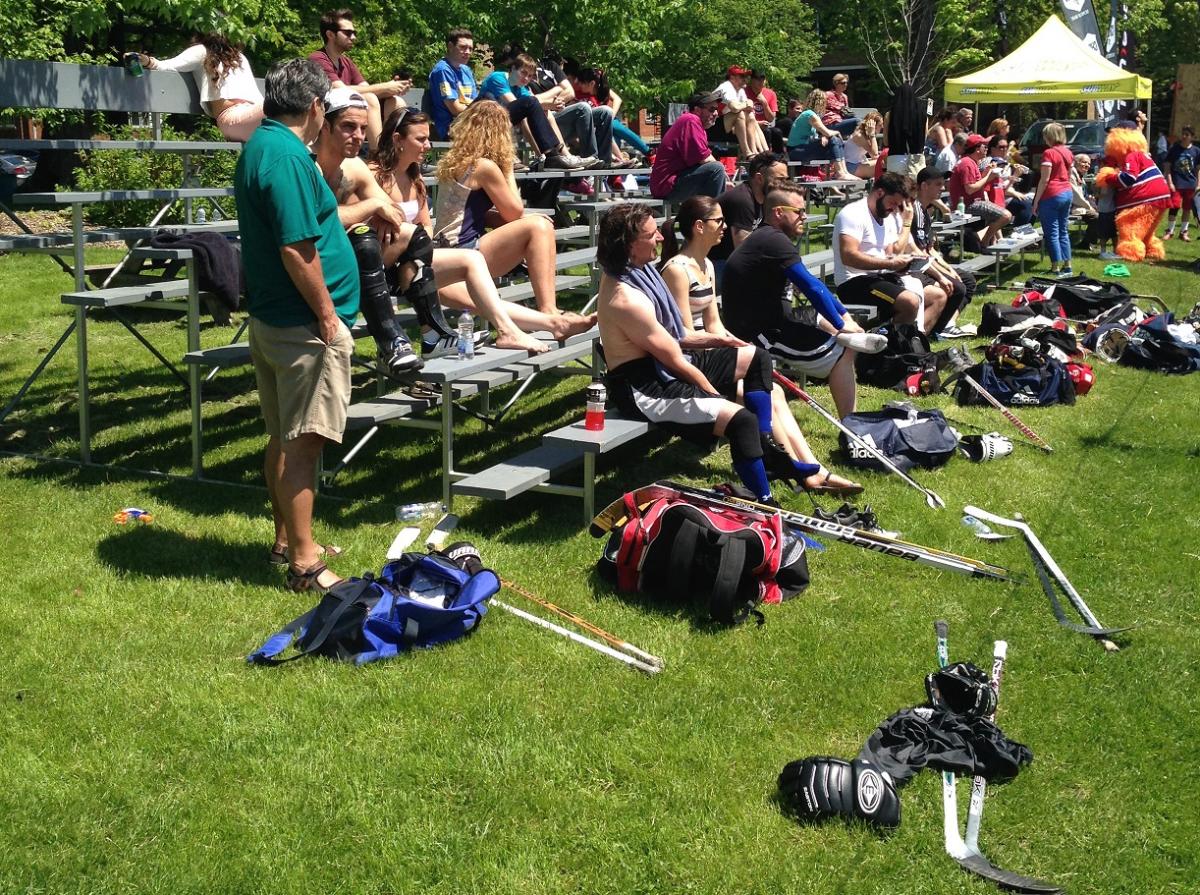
(128, 169)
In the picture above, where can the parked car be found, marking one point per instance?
(14, 171)
(1082, 136)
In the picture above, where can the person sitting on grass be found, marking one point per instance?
(810, 139)
(759, 279)
(658, 374)
(477, 191)
(415, 269)
(689, 275)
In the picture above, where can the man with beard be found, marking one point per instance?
(742, 205)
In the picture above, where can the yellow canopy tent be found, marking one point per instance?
(1053, 65)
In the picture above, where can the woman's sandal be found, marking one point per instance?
(825, 486)
(302, 581)
(278, 557)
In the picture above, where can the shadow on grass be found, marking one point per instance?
(694, 613)
(161, 553)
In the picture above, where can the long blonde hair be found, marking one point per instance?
(484, 130)
(816, 101)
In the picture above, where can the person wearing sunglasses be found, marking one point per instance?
(760, 277)
(338, 36)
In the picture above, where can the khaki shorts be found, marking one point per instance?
(303, 384)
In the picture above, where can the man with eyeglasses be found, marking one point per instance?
(868, 266)
(338, 35)
(684, 165)
(452, 84)
(757, 304)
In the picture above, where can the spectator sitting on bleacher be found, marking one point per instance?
(869, 269)
(684, 165)
(737, 113)
(302, 297)
(965, 119)
(969, 185)
(587, 128)
(939, 136)
(452, 85)
(689, 275)
(760, 277)
(1004, 192)
(837, 115)
(810, 139)
(509, 86)
(361, 204)
(862, 149)
(338, 36)
(228, 92)
(476, 189)
(600, 93)
(766, 109)
(947, 159)
(658, 374)
(959, 285)
(742, 206)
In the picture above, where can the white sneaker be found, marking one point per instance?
(864, 343)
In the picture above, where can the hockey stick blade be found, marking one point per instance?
(1005, 879)
(1057, 608)
(931, 498)
(616, 513)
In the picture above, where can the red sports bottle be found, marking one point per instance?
(593, 420)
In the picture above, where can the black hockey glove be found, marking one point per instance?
(962, 689)
(820, 787)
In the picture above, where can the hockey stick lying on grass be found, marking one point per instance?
(616, 512)
(960, 370)
(611, 639)
(579, 638)
(858, 441)
(1046, 568)
(969, 857)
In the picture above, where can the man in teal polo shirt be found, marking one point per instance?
(302, 295)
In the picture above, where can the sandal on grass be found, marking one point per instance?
(279, 556)
(826, 485)
(302, 581)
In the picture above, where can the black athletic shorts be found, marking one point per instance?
(801, 347)
(878, 290)
(641, 389)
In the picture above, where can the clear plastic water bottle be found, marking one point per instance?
(593, 420)
(409, 512)
(202, 215)
(466, 336)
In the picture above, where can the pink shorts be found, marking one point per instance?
(239, 121)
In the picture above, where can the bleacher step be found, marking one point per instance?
(518, 475)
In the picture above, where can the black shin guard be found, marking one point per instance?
(421, 293)
(758, 375)
(375, 299)
(742, 434)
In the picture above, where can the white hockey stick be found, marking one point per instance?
(579, 638)
(979, 784)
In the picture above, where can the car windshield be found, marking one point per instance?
(1079, 133)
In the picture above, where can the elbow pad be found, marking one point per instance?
(816, 292)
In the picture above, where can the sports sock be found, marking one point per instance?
(754, 476)
(745, 444)
(759, 403)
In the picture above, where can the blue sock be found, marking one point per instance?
(754, 476)
(759, 403)
(806, 469)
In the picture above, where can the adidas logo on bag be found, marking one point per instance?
(859, 452)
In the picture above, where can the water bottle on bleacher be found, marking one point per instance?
(466, 336)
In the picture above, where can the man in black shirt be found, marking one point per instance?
(759, 277)
(959, 285)
(742, 205)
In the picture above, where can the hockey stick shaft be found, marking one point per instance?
(930, 497)
(979, 784)
(1036, 546)
(930, 556)
(1008, 414)
(611, 639)
(578, 638)
(955, 847)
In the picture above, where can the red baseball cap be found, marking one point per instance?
(974, 141)
(737, 70)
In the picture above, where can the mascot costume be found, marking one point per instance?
(1142, 193)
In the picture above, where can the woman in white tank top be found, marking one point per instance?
(686, 268)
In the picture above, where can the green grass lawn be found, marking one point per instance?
(138, 751)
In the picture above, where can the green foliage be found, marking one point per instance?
(127, 169)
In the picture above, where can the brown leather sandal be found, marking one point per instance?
(302, 581)
(279, 557)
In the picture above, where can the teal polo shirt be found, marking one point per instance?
(282, 199)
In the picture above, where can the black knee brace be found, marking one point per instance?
(742, 434)
(758, 374)
(375, 299)
(421, 293)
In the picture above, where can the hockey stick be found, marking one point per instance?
(579, 638)
(979, 784)
(1038, 549)
(858, 441)
(611, 639)
(614, 514)
(972, 860)
(1037, 440)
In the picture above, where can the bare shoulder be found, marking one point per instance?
(356, 174)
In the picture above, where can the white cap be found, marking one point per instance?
(339, 98)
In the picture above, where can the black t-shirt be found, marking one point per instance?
(742, 212)
(548, 75)
(755, 282)
(922, 227)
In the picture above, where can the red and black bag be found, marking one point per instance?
(726, 560)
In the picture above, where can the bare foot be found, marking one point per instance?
(825, 481)
(565, 326)
(521, 341)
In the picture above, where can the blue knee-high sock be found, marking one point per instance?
(759, 403)
(754, 476)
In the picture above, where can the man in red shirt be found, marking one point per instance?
(766, 108)
(971, 187)
(339, 35)
(684, 165)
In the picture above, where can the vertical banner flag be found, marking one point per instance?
(1081, 17)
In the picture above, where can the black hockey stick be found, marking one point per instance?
(616, 512)
(971, 859)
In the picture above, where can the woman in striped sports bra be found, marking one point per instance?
(397, 168)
